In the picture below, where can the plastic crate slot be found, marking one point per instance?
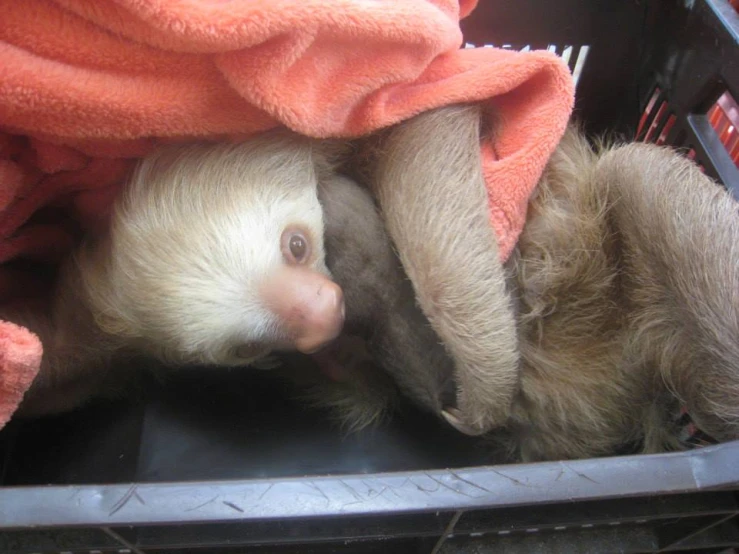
(724, 118)
(574, 56)
(660, 116)
(581, 54)
(662, 138)
(649, 113)
(659, 122)
(711, 151)
(571, 55)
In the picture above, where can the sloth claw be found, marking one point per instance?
(454, 417)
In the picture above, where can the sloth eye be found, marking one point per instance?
(295, 246)
(298, 246)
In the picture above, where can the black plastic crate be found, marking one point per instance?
(229, 462)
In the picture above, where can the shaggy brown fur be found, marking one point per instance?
(625, 282)
(628, 280)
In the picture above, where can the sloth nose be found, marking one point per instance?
(309, 306)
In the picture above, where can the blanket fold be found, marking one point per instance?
(89, 86)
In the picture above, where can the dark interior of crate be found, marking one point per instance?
(650, 69)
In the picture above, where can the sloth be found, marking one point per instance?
(618, 306)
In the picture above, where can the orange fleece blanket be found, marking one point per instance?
(88, 86)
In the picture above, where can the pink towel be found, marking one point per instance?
(20, 353)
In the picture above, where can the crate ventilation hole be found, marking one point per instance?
(658, 120)
(574, 56)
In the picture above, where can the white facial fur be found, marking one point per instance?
(193, 235)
